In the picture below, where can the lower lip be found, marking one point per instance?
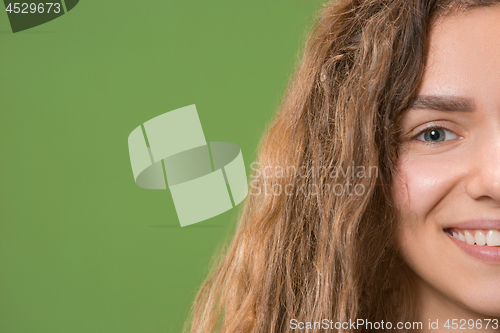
(490, 254)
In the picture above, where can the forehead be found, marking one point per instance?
(464, 55)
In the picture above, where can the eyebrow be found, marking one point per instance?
(443, 103)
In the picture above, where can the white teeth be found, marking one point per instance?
(493, 238)
(480, 238)
(469, 239)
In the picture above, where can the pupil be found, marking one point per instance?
(435, 135)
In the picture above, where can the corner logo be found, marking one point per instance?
(29, 14)
(205, 179)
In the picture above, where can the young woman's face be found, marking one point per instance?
(448, 176)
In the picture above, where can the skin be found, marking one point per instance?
(439, 184)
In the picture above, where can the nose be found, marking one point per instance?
(483, 181)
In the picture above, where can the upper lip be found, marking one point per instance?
(477, 224)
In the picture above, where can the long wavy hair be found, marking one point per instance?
(307, 247)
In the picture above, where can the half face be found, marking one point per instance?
(448, 179)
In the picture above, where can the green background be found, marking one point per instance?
(82, 248)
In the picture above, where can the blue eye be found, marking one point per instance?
(436, 135)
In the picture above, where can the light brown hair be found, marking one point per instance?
(309, 255)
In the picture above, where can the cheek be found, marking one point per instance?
(425, 192)
(420, 183)
(421, 190)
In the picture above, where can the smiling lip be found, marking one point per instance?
(487, 254)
